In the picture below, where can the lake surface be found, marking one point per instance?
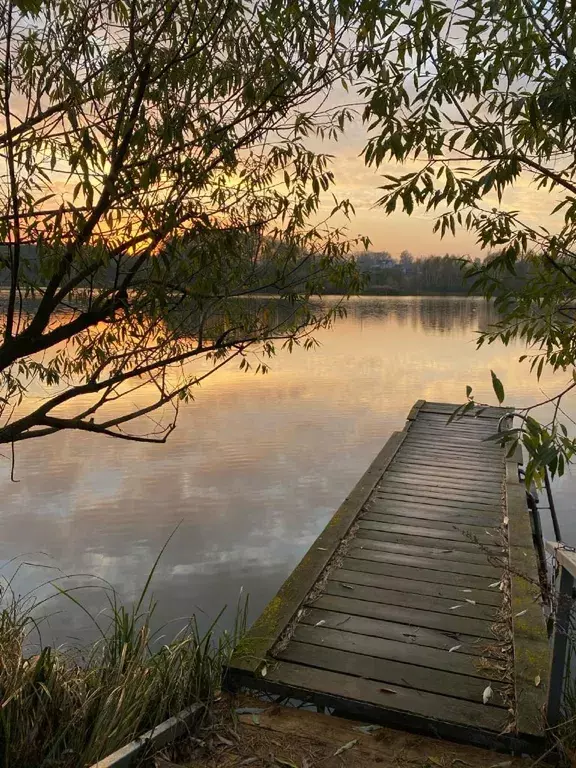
(255, 469)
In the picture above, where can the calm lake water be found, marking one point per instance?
(254, 470)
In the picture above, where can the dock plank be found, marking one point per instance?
(432, 497)
(410, 600)
(401, 584)
(441, 554)
(391, 630)
(410, 616)
(420, 573)
(431, 706)
(329, 653)
(448, 544)
(456, 523)
(418, 558)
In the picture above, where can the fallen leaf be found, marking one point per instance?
(346, 586)
(349, 745)
(387, 690)
(466, 590)
(367, 728)
(472, 602)
(256, 719)
(319, 623)
(264, 671)
(487, 695)
(537, 681)
(505, 521)
(454, 648)
(453, 608)
(521, 613)
(494, 584)
(322, 549)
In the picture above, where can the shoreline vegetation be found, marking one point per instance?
(69, 707)
(380, 274)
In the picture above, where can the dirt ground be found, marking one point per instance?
(250, 732)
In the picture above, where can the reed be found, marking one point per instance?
(68, 708)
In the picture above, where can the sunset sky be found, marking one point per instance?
(398, 232)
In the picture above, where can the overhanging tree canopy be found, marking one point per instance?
(481, 95)
(155, 172)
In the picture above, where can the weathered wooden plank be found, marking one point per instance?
(463, 494)
(403, 615)
(443, 412)
(483, 430)
(448, 408)
(455, 433)
(448, 497)
(435, 480)
(431, 706)
(426, 449)
(470, 439)
(480, 431)
(455, 533)
(427, 420)
(449, 545)
(460, 464)
(334, 655)
(451, 473)
(424, 660)
(445, 459)
(446, 554)
(282, 608)
(432, 511)
(420, 557)
(455, 523)
(397, 583)
(411, 600)
(461, 453)
(391, 630)
(430, 450)
(453, 446)
(472, 443)
(433, 499)
(437, 410)
(448, 577)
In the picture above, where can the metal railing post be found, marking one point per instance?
(558, 669)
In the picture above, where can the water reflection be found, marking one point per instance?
(255, 468)
(443, 314)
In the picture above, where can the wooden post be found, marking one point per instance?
(558, 669)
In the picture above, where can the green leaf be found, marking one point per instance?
(498, 387)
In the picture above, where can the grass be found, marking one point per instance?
(68, 708)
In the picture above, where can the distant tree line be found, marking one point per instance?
(381, 273)
(410, 275)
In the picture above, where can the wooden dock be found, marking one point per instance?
(418, 605)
